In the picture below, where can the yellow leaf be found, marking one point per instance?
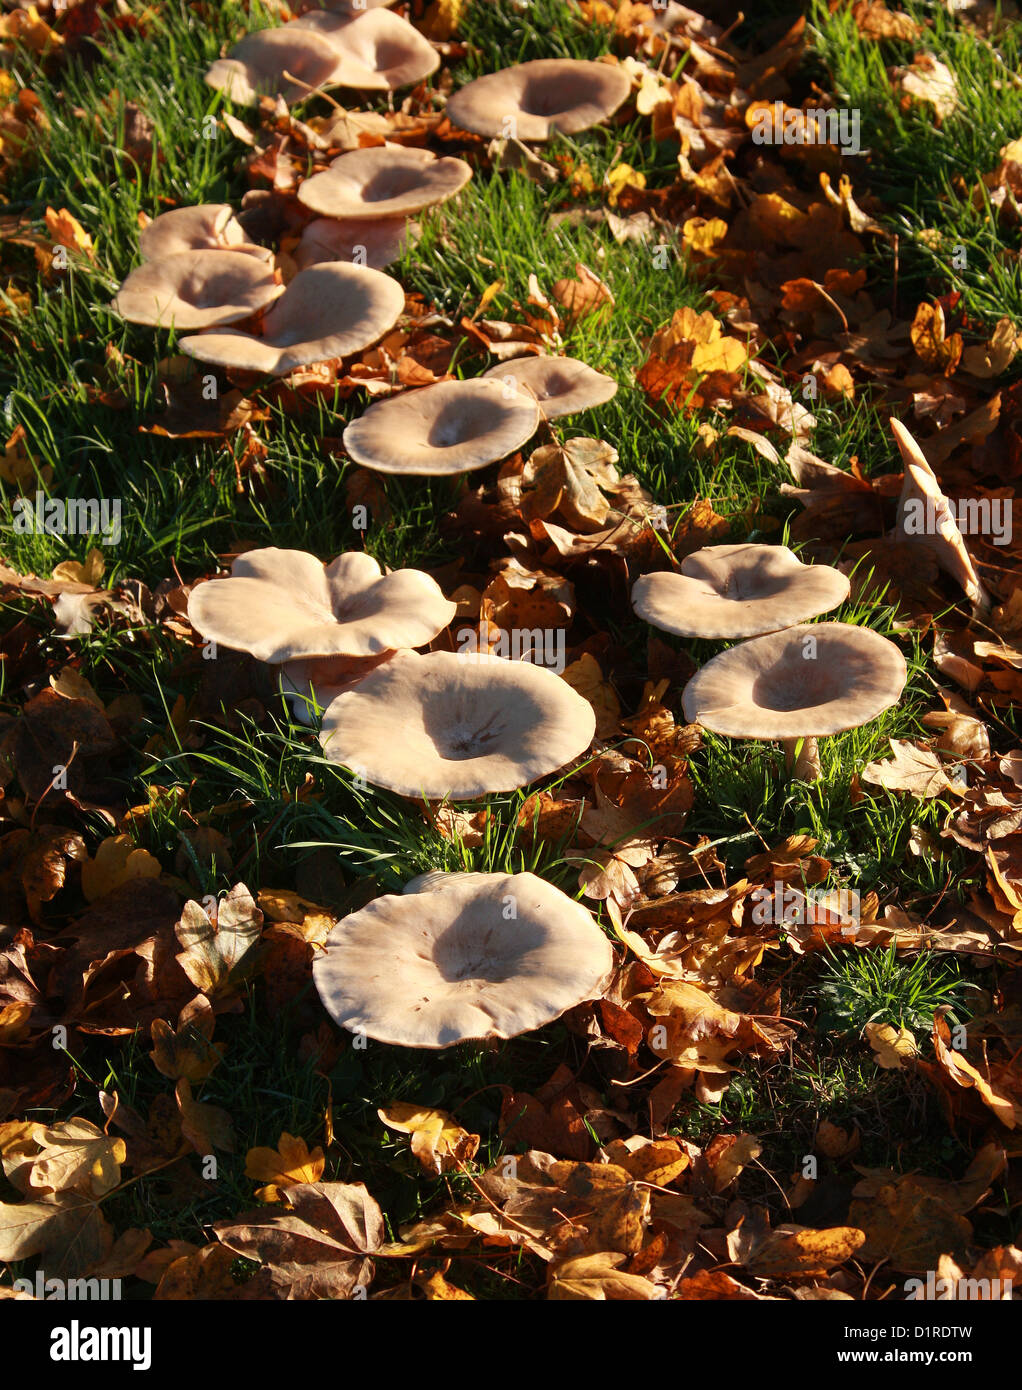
(893, 1046)
(700, 235)
(289, 1163)
(89, 573)
(67, 231)
(621, 177)
(118, 860)
(725, 355)
(438, 1141)
(441, 20)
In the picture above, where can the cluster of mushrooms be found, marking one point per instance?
(484, 955)
(792, 681)
(460, 956)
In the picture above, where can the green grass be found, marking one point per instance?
(925, 172)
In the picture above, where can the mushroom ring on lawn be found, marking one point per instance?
(780, 687)
(737, 591)
(461, 956)
(448, 725)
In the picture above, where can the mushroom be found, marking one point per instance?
(310, 683)
(205, 227)
(738, 591)
(533, 101)
(799, 684)
(562, 385)
(459, 957)
(352, 8)
(279, 605)
(921, 495)
(376, 52)
(375, 244)
(451, 427)
(327, 311)
(255, 67)
(384, 181)
(196, 289)
(449, 725)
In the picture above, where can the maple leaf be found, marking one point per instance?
(438, 1141)
(188, 1052)
(597, 1277)
(205, 1127)
(914, 768)
(893, 1046)
(289, 1164)
(218, 953)
(117, 859)
(319, 1246)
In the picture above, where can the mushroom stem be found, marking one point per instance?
(805, 765)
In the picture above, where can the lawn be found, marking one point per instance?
(813, 1106)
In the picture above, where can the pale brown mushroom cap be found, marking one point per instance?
(770, 688)
(255, 67)
(457, 725)
(562, 385)
(375, 52)
(205, 227)
(542, 98)
(439, 430)
(375, 244)
(196, 289)
(460, 957)
(384, 181)
(280, 605)
(327, 311)
(738, 591)
(353, 8)
(947, 543)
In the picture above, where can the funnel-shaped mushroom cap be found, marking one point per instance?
(533, 101)
(282, 604)
(255, 67)
(446, 725)
(562, 385)
(451, 427)
(464, 956)
(196, 289)
(377, 52)
(922, 502)
(383, 181)
(326, 311)
(312, 681)
(205, 227)
(803, 682)
(375, 244)
(738, 591)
